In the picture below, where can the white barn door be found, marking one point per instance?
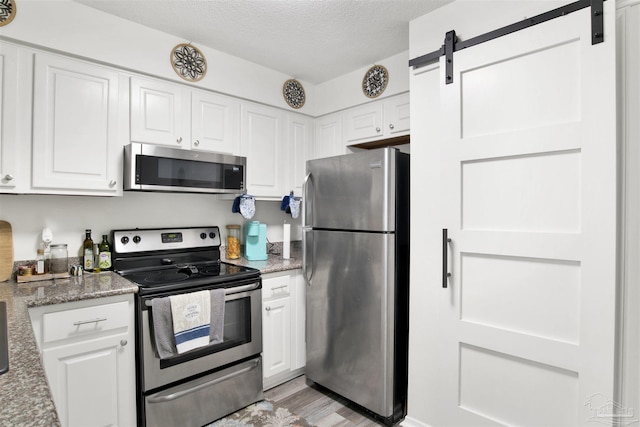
(527, 321)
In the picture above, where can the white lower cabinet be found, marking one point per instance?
(282, 327)
(88, 353)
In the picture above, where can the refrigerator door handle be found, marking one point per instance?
(306, 245)
(308, 201)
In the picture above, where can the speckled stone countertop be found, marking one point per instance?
(275, 262)
(25, 398)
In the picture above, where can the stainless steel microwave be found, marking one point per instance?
(149, 167)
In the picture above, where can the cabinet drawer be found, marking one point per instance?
(83, 321)
(275, 287)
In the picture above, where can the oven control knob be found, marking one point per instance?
(124, 240)
(136, 239)
(212, 235)
(203, 236)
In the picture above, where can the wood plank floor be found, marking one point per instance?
(319, 407)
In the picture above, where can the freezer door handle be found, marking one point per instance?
(308, 200)
(307, 255)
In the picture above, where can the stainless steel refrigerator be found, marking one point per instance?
(356, 267)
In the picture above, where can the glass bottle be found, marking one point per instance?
(40, 262)
(104, 254)
(88, 251)
(59, 259)
(233, 241)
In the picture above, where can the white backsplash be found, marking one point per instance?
(69, 216)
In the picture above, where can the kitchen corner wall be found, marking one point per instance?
(69, 216)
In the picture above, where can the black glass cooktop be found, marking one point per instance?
(210, 272)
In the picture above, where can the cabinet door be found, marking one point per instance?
(364, 122)
(159, 113)
(75, 127)
(8, 118)
(92, 382)
(276, 332)
(396, 115)
(263, 140)
(215, 123)
(300, 139)
(328, 137)
(298, 312)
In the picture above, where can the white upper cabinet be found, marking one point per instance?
(9, 174)
(174, 115)
(159, 113)
(300, 130)
(215, 123)
(263, 143)
(328, 137)
(378, 120)
(75, 127)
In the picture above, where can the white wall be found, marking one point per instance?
(69, 216)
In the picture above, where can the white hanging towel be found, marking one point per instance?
(191, 315)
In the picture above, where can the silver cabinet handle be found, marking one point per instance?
(391, 126)
(123, 342)
(112, 183)
(8, 177)
(377, 129)
(179, 140)
(84, 322)
(279, 287)
(196, 142)
(267, 308)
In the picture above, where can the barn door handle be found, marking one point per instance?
(445, 257)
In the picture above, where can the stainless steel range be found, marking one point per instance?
(201, 385)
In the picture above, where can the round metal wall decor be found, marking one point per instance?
(7, 11)
(188, 62)
(375, 81)
(293, 93)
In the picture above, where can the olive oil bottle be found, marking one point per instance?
(104, 254)
(88, 251)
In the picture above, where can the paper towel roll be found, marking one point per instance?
(286, 240)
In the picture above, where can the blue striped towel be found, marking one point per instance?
(191, 315)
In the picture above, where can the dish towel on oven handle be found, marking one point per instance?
(191, 314)
(162, 322)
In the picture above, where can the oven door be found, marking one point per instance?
(242, 339)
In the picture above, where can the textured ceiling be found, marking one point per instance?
(310, 40)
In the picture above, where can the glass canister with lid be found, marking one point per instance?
(233, 241)
(59, 259)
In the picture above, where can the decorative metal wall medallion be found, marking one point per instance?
(293, 93)
(7, 11)
(188, 62)
(375, 81)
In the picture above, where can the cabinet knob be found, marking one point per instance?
(8, 177)
(196, 142)
(179, 140)
(391, 126)
(267, 308)
(377, 129)
(123, 342)
(112, 183)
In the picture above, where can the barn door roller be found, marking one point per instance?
(452, 44)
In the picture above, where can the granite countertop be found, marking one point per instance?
(24, 390)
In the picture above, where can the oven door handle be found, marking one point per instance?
(227, 291)
(182, 393)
